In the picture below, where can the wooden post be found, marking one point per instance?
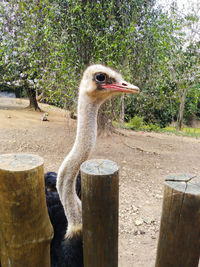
(179, 240)
(25, 228)
(100, 204)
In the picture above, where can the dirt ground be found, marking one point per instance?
(145, 159)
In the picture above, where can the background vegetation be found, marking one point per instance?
(45, 45)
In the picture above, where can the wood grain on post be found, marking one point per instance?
(25, 228)
(100, 204)
(179, 240)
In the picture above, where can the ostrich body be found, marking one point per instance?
(98, 84)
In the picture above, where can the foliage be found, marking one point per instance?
(152, 127)
(138, 124)
(186, 131)
(192, 106)
(47, 44)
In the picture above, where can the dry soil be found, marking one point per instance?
(145, 159)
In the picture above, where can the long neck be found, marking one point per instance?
(85, 140)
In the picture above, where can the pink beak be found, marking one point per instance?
(123, 87)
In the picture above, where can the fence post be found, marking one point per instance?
(25, 228)
(100, 204)
(179, 240)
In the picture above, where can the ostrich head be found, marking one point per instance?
(100, 83)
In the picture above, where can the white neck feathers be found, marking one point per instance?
(84, 143)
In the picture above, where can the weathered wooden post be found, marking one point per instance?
(179, 240)
(25, 228)
(100, 203)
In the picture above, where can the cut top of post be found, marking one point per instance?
(19, 162)
(99, 167)
(186, 183)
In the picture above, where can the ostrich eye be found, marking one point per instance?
(100, 77)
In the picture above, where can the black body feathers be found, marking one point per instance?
(64, 252)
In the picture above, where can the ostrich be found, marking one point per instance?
(98, 84)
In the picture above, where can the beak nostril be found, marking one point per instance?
(124, 84)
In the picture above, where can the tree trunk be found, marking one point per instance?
(31, 92)
(181, 110)
(104, 120)
(122, 112)
(41, 96)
